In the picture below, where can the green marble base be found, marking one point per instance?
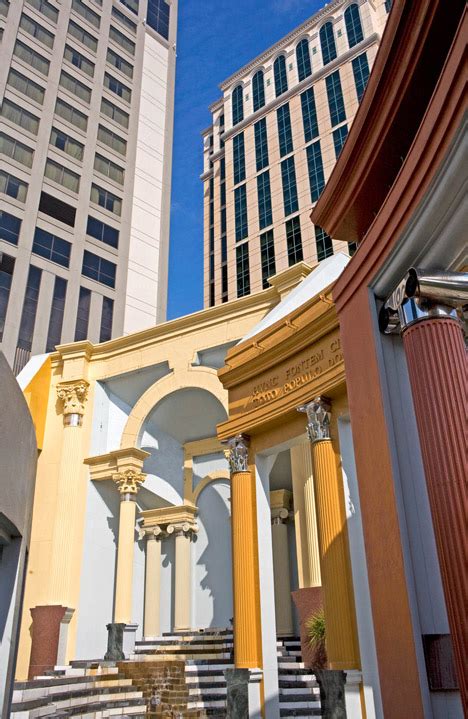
(115, 634)
(332, 693)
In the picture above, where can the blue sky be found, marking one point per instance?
(214, 40)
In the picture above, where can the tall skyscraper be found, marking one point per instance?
(87, 90)
(276, 133)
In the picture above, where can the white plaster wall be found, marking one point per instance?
(145, 233)
(207, 464)
(293, 572)
(97, 570)
(110, 416)
(370, 670)
(212, 558)
(164, 468)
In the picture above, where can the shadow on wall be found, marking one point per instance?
(164, 466)
(213, 558)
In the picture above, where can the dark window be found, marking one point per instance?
(361, 74)
(82, 9)
(98, 269)
(327, 43)
(131, 5)
(265, 217)
(113, 58)
(224, 248)
(240, 207)
(304, 68)
(121, 40)
(223, 220)
(353, 25)
(294, 241)
(31, 58)
(284, 130)
(237, 105)
(261, 144)
(82, 315)
(75, 87)
(388, 5)
(78, 60)
(238, 158)
(117, 87)
(13, 186)
(352, 247)
(324, 244)
(224, 283)
(258, 90)
(9, 227)
(57, 209)
(281, 79)
(26, 86)
(106, 319)
(309, 115)
(157, 17)
(243, 270)
(28, 316)
(67, 144)
(106, 199)
(124, 19)
(335, 99)
(315, 167)
(45, 8)
(102, 232)
(7, 266)
(54, 334)
(339, 137)
(222, 169)
(288, 175)
(36, 31)
(51, 247)
(267, 254)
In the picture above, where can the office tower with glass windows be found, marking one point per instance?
(87, 90)
(275, 135)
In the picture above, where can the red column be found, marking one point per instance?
(45, 638)
(437, 364)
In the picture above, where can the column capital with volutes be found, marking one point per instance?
(186, 529)
(318, 413)
(72, 397)
(128, 483)
(154, 533)
(237, 453)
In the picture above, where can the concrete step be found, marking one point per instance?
(122, 707)
(25, 691)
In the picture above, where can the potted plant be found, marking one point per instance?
(315, 629)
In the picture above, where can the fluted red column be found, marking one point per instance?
(437, 364)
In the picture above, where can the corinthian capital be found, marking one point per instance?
(237, 453)
(318, 418)
(73, 396)
(128, 482)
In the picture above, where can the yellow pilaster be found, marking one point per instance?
(246, 599)
(338, 598)
(128, 483)
(305, 516)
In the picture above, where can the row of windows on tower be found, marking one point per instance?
(313, 151)
(303, 60)
(56, 312)
(57, 250)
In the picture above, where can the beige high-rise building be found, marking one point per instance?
(87, 93)
(276, 133)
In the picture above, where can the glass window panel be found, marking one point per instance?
(361, 74)
(323, 243)
(288, 176)
(335, 99)
(79, 60)
(294, 241)
(86, 13)
(315, 167)
(57, 209)
(10, 227)
(106, 199)
(113, 141)
(51, 247)
(243, 270)
(54, 334)
(265, 216)
(281, 79)
(13, 186)
(109, 169)
(122, 40)
(31, 58)
(7, 266)
(82, 36)
(15, 150)
(261, 144)
(304, 67)
(240, 212)
(158, 15)
(353, 25)
(82, 315)
(118, 62)
(102, 232)
(237, 105)
(98, 269)
(131, 5)
(114, 112)
(75, 87)
(4, 7)
(26, 86)
(105, 333)
(67, 144)
(123, 19)
(16, 114)
(71, 114)
(45, 8)
(258, 90)
(309, 115)
(62, 176)
(339, 138)
(28, 316)
(327, 43)
(36, 31)
(267, 255)
(117, 87)
(239, 158)
(284, 130)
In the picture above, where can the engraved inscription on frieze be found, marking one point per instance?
(290, 376)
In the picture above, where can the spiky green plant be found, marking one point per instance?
(315, 627)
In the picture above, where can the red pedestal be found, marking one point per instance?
(437, 364)
(307, 602)
(45, 638)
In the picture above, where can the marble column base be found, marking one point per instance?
(115, 634)
(332, 693)
(243, 693)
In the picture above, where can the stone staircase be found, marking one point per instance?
(90, 693)
(206, 655)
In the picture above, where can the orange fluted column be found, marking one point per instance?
(337, 590)
(437, 364)
(246, 591)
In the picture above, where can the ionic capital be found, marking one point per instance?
(237, 453)
(151, 533)
(73, 396)
(128, 482)
(318, 418)
(279, 516)
(185, 529)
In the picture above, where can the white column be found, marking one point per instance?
(279, 538)
(152, 582)
(304, 497)
(183, 575)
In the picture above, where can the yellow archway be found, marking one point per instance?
(212, 477)
(203, 378)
